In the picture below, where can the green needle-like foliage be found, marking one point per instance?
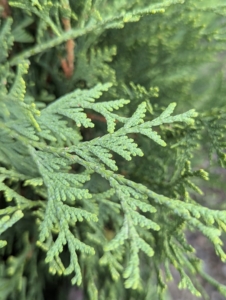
(99, 171)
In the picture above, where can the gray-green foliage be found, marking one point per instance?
(104, 196)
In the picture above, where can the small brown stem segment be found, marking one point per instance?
(95, 117)
(67, 63)
(6, 10)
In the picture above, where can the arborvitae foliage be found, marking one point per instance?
(97, 172)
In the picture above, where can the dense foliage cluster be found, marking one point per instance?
(97, 198)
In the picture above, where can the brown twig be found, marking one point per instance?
(96, 117)
(67, 64)
(6, 10)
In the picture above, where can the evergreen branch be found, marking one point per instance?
(90, 219)
(41, 10)
(72, 34)
(5, 35)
